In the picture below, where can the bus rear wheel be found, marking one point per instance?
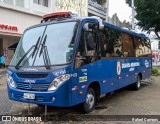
(89, 104)
(137, 84)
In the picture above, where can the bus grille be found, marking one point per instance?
(32, 87)
(32, 75)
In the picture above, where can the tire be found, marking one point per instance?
(137, 84)
(90, 102)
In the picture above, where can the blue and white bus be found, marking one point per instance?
(67, 60)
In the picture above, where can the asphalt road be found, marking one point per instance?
(145, 101)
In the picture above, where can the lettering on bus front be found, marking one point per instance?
(59, 72)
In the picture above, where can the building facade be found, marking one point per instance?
(84, 7)
(16, 16)
(98, 8)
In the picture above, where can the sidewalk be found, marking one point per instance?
(3, 71)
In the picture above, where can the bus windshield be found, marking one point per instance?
(51, 44)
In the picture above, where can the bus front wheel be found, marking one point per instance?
(89, 104)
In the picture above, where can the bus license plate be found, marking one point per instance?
(28, 96)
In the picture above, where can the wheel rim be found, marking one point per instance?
(90, 100)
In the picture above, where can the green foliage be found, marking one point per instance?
(155, 72)
(148, 14)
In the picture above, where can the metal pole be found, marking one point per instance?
(133, 26)
(28, 108)
(45, 110)
(80, 4)
(107, 13)
(45, 113)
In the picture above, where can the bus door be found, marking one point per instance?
(86, 54)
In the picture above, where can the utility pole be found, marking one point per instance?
(80, 5)
(133, 12)
(107, 13)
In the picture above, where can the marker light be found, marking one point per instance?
(53, 98)
(11, 81)
(58, 81)
(58, 15)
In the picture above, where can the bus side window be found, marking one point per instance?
(87, 45)
(110, 43)
(128, 45)
(138, 49)
(118, 52)
(143, 47)
(146, 49)
(115, 42)
(103, 46)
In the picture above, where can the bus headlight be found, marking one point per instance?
(58, 81)
(11, 81)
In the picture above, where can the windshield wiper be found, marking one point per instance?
(44, 50)
(35, 48)
(43, 44)
(19, 62)
(46, 58)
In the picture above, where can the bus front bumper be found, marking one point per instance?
(51, 98)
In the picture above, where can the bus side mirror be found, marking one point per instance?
(90, 27)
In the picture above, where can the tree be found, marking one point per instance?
(148, 15)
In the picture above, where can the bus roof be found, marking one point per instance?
(106, 24)
(69, 15)
(125, 30)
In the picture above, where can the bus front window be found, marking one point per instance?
(52, 43)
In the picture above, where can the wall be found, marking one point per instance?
(19, 19)
(8, 41)
(97, 9)
(14, 18)
(83, 7)
(27, 6)
(79, 6)
(21, 14)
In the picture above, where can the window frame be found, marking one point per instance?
(96, 39)
(79, 41)
(45, 3)
(132, 37)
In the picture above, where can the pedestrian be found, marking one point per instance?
(2, 61)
